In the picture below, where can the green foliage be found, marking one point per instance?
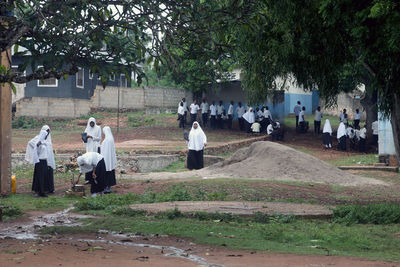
(26, 123)
(134, 121)
(369, 214)
(125, 211)
(11, 212)
(107, 201)
(367, 159)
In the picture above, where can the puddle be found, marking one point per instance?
(63, 218)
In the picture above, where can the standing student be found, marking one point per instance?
(230, 115)
(375, 133)
(204, 112)
(37, 154)
(196, 144)
(194, 108)
(240, 112)
(297, 110)
(51, 163)
(343, 116)
(327, 134)
(181, 115)
(302, 121)
(110, 159)
(317, 120)
(351, 135)
(341, 136)
(183, 101)
(93, 132)
(93, 166)
(267, 115)
(357, 118)
(249, 119)
(362, 139)
(220, 111)
(213, 115)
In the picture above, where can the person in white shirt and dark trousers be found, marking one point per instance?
(357, 118)
(317, 120)
(230, 115)
(302, 121)
(362, 135)
(220, 111)
(204, 112)
(194, 108)
(240, 112)
(297, 110)
(213, 115)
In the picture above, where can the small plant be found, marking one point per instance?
(104, 202)
(11, 212)
(134, 121)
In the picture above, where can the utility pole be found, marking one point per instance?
(5, 129)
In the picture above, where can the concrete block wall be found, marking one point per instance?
(344, 101)
(130, 98)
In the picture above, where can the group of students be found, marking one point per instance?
(98, 163)
(250, 120)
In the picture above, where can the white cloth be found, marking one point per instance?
(49, 145)
(297, 109)
(270, 129)
(197, 138)
(93, 144)
(341, 130)
(240, 111)
(184, 105)
(194, 108)
(181, 111)
(32, 150)
(363, 133)
(108, 149)
(301, 116)
(327, 127)
(88, 161)
(230, 109)
(318, 115)
(267, 114)
(260, 114)
(213, 110)
(220, 109)
(204, 107)
(357, 116)
(350, 132)
(375, 128)
(249, 116)
(255, 127)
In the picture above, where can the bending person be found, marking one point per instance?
(93, 166)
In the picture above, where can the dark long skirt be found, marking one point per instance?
(97, 185)
(327, 139)
(248, 126)
(241, 124)
(40, 182)
(342, 143)
(195, 160)
(110, 178)
(361, 145)
(51, 179)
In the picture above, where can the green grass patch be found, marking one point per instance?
(177, 166)
(290, 121)
(369, 214)
(367, 159)
(294, 236)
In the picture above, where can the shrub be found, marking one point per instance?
(106, 201)
(11, 212)
(369, 214)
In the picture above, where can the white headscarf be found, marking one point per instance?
(108, 149)
(327, 127)
(93, 143)
(197, 138)
(249, 116)
(341, 130)
(88, 160)
(49, 145)
(32, 153)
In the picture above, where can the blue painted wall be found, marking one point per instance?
(291, 101)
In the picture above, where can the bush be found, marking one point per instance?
(134, 121)
(25, 123)
(106, 201)
(11, 212)
(369, 214)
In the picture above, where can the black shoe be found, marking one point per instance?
(36, 195)
(43, 195)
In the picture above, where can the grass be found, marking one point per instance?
(295, 236)
(366, 159)
(177, 166)
(290, 121)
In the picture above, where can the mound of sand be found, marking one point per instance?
(274, 161)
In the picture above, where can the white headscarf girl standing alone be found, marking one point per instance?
(197, 142)
(93, 132)
(326, 134)
(110, 158)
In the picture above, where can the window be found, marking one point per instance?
(112, 77)
(79, 78)
(123, 81)
(50, 82)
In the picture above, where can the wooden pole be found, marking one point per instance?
(5, 130)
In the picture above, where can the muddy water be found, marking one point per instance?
(29, 231)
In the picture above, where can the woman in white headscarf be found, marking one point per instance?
(37, 154)
(326, 134)
(196, 143)
(110, 158)
(93, 132)
(249, 119)
(51, 163)
(93, 166)
(341, 136)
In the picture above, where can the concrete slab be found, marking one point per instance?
(240, 208)
(371, 168)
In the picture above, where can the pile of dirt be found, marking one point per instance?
(269, 160)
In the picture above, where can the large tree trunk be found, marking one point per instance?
(369, 103)
(395, 120)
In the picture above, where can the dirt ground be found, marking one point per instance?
(99, 250)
